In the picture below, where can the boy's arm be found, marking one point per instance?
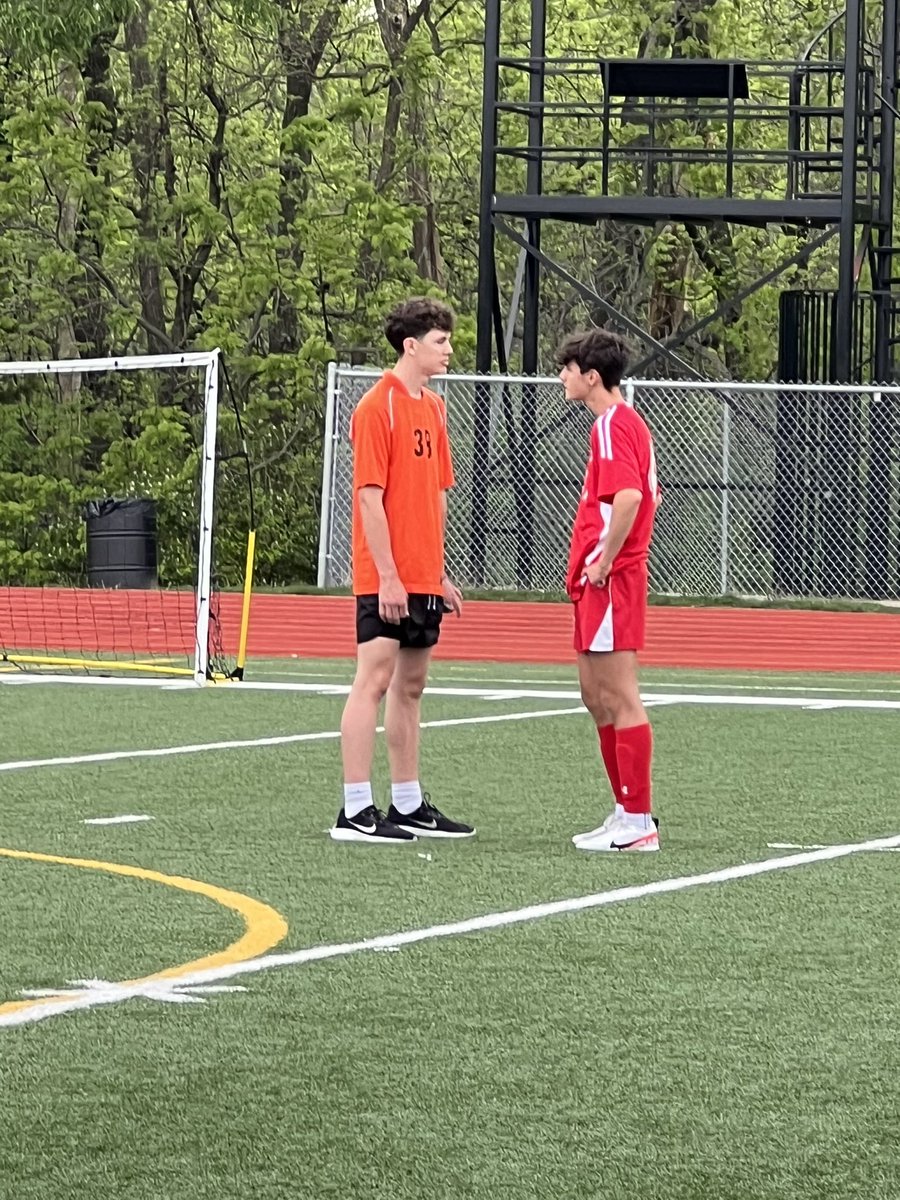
(452, 595)
(392, 598)
(625, 507)
(618, 475)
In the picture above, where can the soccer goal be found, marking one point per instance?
(126, 527)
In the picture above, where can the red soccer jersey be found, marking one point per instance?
(621, 456)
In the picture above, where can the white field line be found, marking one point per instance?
(103, 992)
(509, 681)
(163, 683)
(817, 846)
(280, 740)
(125, 819)
(650, 699)
(542, 693)
(490, 672)
(341, 688)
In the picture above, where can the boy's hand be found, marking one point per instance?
(598, 572)
(393, 602)
(453, 599)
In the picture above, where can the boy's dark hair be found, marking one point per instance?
(416, 317)
(597, 350)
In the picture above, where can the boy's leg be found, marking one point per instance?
(592, 699)
(606, 736)
(359, 819)
(610, 680)
(410, 808)
(375, 663)
(634, 739)
(607, 618)
(609, 630)
(402, 713)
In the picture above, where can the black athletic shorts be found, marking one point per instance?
(420, 630)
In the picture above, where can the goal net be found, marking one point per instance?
(124, 520)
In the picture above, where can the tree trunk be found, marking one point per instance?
(67, 87)
(426, 236)
(91, 308)
(397, 24)
(188, 273)
(301, 53)
(145, 161)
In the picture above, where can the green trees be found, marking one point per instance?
(267, 176)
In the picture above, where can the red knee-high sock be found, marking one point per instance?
(634, 751)
(607, 735)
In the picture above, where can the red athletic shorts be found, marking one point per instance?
(612, 617)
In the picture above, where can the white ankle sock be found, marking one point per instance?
(406, 797)
(620, 809)
(357, 796)
(638, 820)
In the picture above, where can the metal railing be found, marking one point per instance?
(768, 490)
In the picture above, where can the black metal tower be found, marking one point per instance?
(836, 110)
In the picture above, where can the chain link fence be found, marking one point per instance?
(768, 490)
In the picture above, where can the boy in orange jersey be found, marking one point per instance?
(402, 469)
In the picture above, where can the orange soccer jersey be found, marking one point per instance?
(400, 444)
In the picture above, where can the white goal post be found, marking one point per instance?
(84, 625)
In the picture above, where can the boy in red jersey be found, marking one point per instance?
(607, 582)
(401, 472)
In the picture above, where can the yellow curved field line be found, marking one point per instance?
(263, 926)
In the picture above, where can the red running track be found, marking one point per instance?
(143, 622)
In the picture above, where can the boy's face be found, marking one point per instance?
(577, 385)
(431, 352)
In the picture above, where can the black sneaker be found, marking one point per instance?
(370, 825)
(428, 821)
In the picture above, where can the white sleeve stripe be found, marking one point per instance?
(604, 434)
(600, 453)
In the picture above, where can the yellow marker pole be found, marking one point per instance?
(245, 608)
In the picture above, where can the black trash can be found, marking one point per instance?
(121, 543)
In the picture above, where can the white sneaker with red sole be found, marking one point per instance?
(622, 833)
